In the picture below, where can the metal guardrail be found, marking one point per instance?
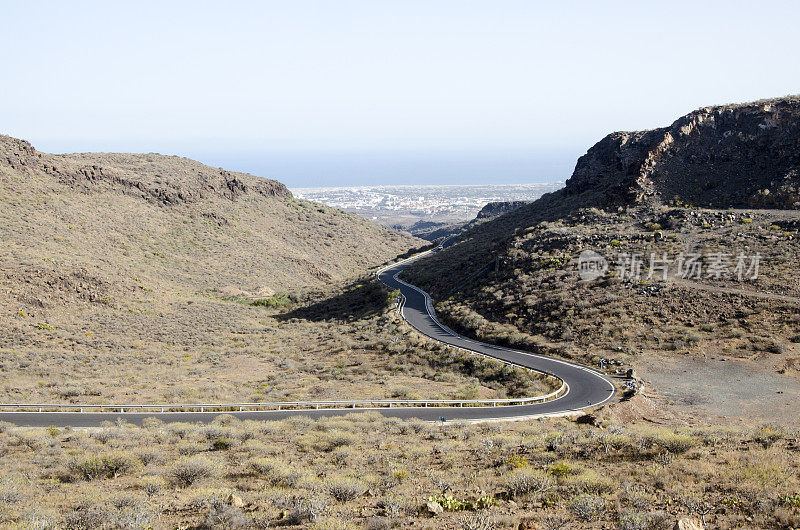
(285, 405)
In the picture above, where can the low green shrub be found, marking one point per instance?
(276, 300)
(560, 469)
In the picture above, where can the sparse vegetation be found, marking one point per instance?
(159, 279)
(189, 470)
(397, 471)
(276, 300)
(518, 285)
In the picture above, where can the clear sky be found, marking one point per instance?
(352, 92)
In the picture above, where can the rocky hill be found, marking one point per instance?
(740, 156)
(173, 218)
(728, 156)
(697, 188)
(167, 180)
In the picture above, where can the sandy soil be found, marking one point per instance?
(741, 391)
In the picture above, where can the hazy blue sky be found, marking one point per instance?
(340, 92)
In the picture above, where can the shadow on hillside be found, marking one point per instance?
(362, 299)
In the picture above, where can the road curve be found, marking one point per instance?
(585, 387)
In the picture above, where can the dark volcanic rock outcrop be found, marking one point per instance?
(726, 156)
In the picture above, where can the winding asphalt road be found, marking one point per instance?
(586, 387)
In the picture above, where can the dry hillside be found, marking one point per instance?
(699, 186)
(173, 220)
(149, 278)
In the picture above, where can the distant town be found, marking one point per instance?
(419, 208)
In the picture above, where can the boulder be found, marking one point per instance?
(235, 501)
(688, 523)
(434, 508)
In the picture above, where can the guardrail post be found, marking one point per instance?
(162, 410)
(121, 410)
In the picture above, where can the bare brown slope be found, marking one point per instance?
(173, 220)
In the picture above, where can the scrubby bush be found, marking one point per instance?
(277, 472)
(223, 516)
(150, 456)
(676, 443)
(517, 461)
(522, 481)
(478, 521)
(591, 481)
(107, 465)
(263, 466)
(642, 520)
(87, 517)
(11, 489)
(327, 441)
(276, 300)
(345, 489)
(152, 423)
(587, 506)
(767, 435)
(331, 523)
(189, 470)
(381, 523)
(560, 469)
(151, 485)
(120, 463)
(221, 444)
(300, 510)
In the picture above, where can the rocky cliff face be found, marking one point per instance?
(158, 178)
(495, 209)
(727, 156)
